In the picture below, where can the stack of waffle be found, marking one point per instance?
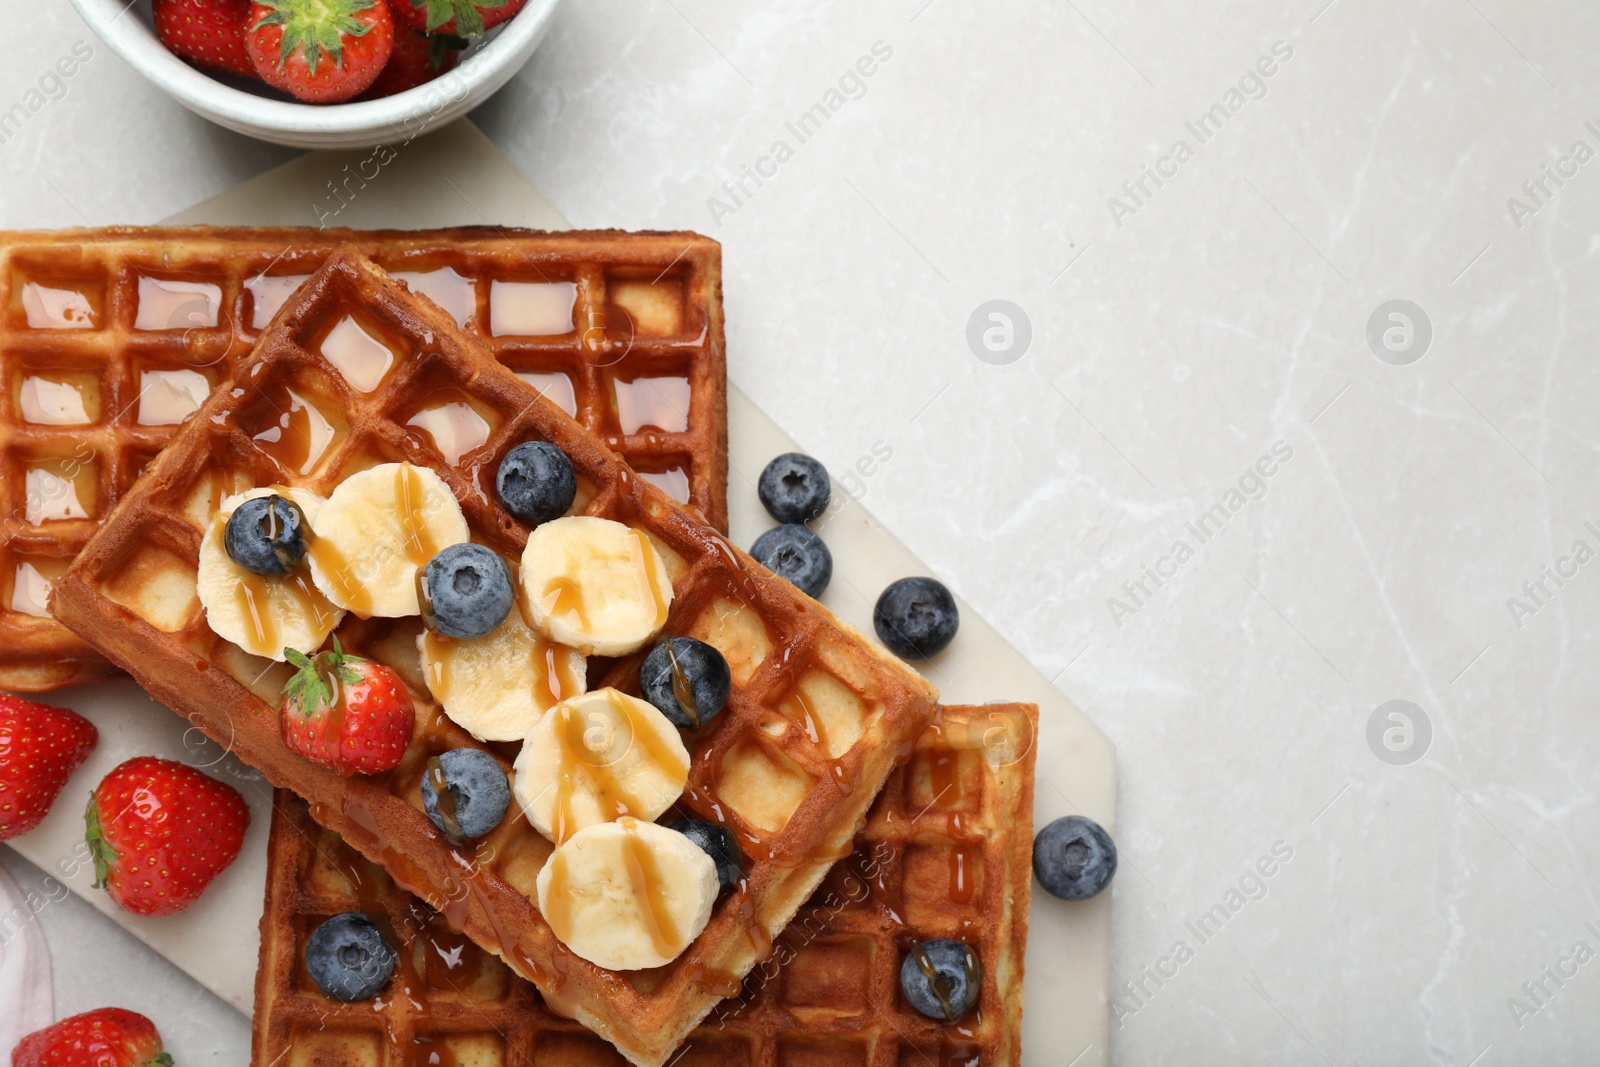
(817, 724)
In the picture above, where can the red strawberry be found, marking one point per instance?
(320, 51)
(160, 832)
(346, 712)
(461, 18)
(416, 60)
(40, 747)
(108, 1037)
(208, 33)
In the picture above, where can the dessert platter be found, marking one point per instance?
(430, 530)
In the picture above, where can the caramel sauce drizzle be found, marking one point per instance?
(817, 734)
(682, 691)
(440, 676)
(615, 799)
(563, 598)
(411, 496)
(336, 567)
(446, 802)
(553, 677)
(941, 988)
(431, 1052)
(648, 583)
(251, 594)
(572, 739)
(452, 961)
(559, 913)
(964, 860)
(648, 885)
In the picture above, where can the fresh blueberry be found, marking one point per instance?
(692, 694)
(1074, 858)
(795, 553)
(266, 535)
(717, 842)
(536, 482)
(941, 978)
(916, 618)
(348, 958)
(477, 793)
(467, 591)
(794, 488)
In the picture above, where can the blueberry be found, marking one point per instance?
(536, 482)
(941, 978)
(266, 535)
(1074, 858)
(696, 692)
(794, 488)
(916, 618)
(795, 553)
(348, 958)
(717, 842)
(466, 591)
(477, 791)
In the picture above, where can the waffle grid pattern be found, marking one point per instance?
(817, 719)
(945, 853)
(109, 338)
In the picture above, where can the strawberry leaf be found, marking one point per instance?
(468, 14)
(99, 849)
(316, 27)
(312, 685)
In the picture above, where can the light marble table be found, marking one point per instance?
(1188, 332)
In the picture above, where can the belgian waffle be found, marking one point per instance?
(108, 338)
(945, 853)
(817, 719)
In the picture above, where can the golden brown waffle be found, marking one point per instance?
(946, 852)
(109, 337)
(816, 722)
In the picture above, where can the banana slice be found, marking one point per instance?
(627, 895)
(595, 585)
(497, 687)
(263, 616)
(376, 531)
(595, 758)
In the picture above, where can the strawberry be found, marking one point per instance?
(208, 33)
(416, 60)
(320, 51)
(346, 712)
(460, 18)
(107, 1037)
(160, 832)
(40, 747)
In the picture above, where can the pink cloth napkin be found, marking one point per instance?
(27, 1001)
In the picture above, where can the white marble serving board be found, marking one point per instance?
(455, 176)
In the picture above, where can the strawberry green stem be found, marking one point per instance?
(99, 849)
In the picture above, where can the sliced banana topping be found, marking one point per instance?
(627, 895)
(497, 687)
(376, 531)
(262, 615)
(595, 585)
(596, 758)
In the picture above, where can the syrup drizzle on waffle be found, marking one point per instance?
(110, 339)
(828, 994)
(754, 768)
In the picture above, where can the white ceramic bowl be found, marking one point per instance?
(483, 69)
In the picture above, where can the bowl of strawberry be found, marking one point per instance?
(325, 73)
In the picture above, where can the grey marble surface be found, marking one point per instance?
(1186, 337)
